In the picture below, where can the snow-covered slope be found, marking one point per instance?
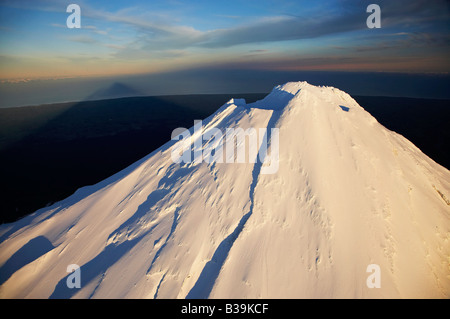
(348, 193)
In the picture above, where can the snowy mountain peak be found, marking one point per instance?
(347, 194)
(304, 93)
(295, 87)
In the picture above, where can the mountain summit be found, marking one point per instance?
(349, 204)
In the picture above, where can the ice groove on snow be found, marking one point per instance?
(159, 285)
(205, 283)
(172, 230)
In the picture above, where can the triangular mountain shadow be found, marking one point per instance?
(115, 90)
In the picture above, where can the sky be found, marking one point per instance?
(158, 47)
(133, 37)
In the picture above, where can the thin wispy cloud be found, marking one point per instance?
(83, 39)
(281, 28)
(95, 30)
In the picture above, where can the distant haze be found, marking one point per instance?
(212, 81)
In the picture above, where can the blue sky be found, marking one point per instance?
(131, 37)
